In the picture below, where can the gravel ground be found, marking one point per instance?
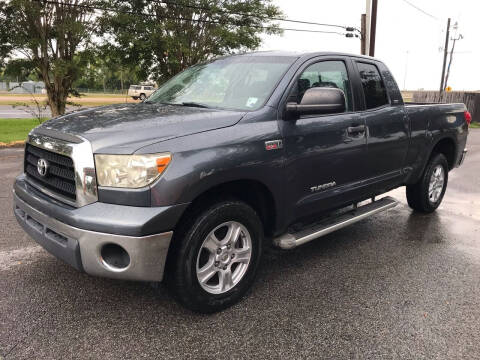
(396, 286)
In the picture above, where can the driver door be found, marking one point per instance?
(326, 153)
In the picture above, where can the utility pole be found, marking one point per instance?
(363, 28)
(445, 53)
(459, 37)
(406, 72)
(367, 25)
(373, 27)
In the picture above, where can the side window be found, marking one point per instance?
(330, 73)
(373, 87)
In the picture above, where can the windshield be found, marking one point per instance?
(237, 82)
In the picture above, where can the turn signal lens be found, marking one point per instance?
(162, 163)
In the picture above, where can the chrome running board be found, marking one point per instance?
(290, 241)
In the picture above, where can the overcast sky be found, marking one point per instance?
(408, 41)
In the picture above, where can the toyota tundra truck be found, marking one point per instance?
(226, 158)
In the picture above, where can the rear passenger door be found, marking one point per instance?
(386, 122)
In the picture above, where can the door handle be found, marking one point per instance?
(356, 129)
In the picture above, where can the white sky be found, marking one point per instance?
(400, 29)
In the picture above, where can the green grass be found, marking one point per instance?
(15, 129)
(474, 125)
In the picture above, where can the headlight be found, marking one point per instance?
(130, 171)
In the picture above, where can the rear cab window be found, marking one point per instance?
(373, 87)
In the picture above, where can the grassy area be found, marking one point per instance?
(475, 125)
(15, 129)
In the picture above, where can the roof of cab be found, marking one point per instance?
(299, 54)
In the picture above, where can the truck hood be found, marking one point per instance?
(124, 128)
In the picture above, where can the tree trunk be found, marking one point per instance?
(56, 100)
(121, 79)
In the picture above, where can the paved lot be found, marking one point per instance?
(8, 111)
(19, 111)
(398, 285)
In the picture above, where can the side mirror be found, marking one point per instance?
(319, 100)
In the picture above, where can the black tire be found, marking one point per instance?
(183, 259)
(418, 194)
(142, 97)
(135, 97)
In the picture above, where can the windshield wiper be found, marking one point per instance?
(186, 103)
(158, 103)
(194, 104)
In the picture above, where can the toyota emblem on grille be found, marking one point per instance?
(42, 167)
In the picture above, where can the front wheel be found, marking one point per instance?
(142, 97)
(215, 257)
(427, 194)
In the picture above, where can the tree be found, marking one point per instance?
(153, 39)
(165, 37)
(49, 34)
(106, 71)
(20, 70)
(5, 47)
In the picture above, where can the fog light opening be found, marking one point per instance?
(114, 257)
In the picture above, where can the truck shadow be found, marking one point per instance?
(354, 270)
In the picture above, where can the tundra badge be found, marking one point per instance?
(323, 186)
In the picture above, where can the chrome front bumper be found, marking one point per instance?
(83, 248)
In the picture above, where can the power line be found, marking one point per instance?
(90, 7)
(421, 10)
(197, 7)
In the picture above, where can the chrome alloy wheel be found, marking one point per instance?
(435, 186)
(224, 257)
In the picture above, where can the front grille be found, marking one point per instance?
(60, 177)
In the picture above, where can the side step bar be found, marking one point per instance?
(290, 241)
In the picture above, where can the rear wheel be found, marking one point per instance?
(427, 194)
(215, 256)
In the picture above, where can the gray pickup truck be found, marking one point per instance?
(227, 157)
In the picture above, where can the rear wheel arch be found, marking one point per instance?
(448, 148)
(445, 145)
